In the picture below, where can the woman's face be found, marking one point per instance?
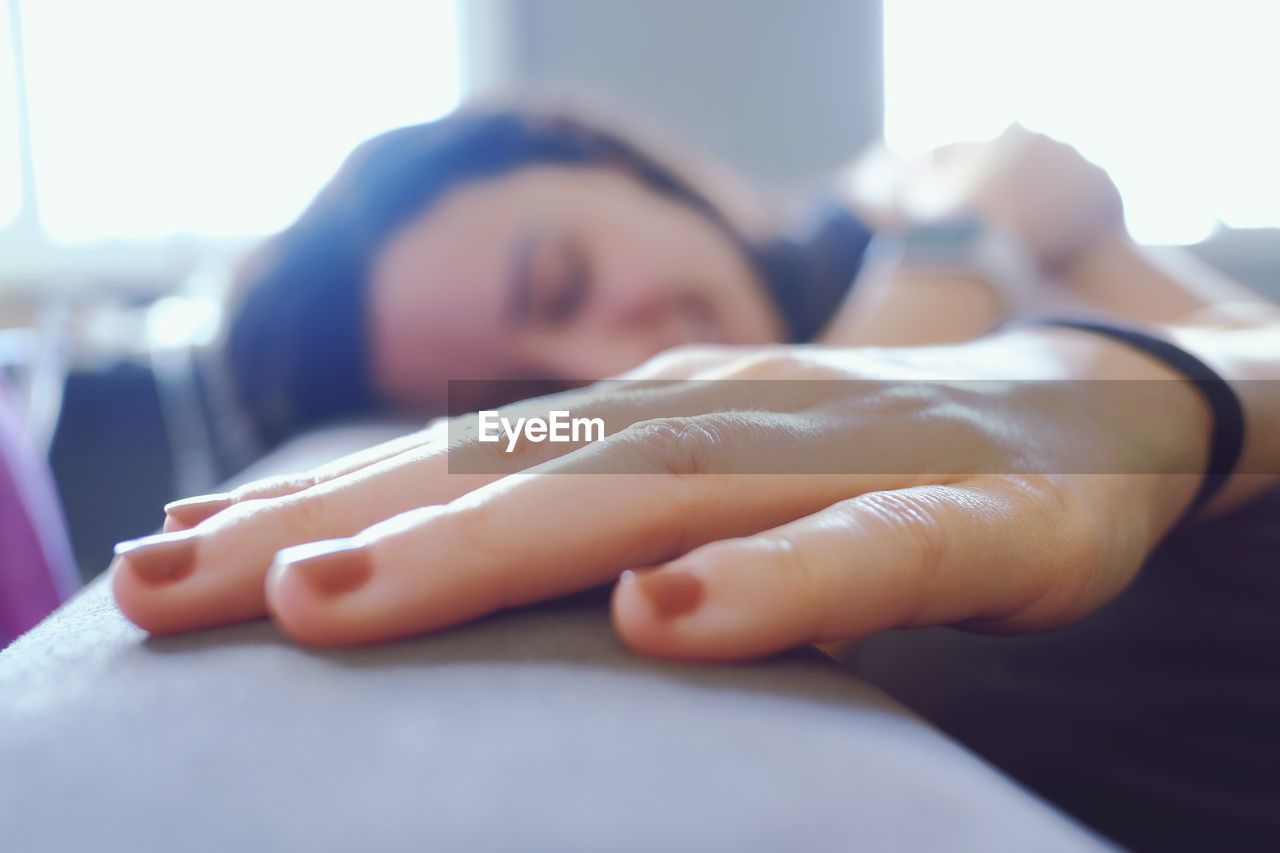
(557, 273)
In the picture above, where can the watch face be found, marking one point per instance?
(948, 233)
(952, 242)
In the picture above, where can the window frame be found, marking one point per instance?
(34, 266)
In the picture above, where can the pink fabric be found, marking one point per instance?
(36, 566)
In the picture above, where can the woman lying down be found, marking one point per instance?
(546, 251)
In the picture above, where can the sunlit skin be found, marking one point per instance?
(388, 543)
(401, 546)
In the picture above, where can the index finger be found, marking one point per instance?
(552, 530)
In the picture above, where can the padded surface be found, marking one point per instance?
(532, 730)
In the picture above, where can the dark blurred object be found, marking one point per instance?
(1154, 719)
(111, 459)
(143, 421)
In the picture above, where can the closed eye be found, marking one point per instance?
(569, 285)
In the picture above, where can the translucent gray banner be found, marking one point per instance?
(927, 429)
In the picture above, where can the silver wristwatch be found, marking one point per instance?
(965, 246)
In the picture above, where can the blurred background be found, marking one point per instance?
(145, 144)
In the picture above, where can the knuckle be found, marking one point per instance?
(693, 352)
(781, 363)
(1079, 552)
(461, 430)
(475, 529)
(275, 486)
(1057, 516)
(1072, 555)
(469, 455)
(913, 518)
(806, 587)
(679, 358)
(474, 526)
(679, 446)
(309, 514)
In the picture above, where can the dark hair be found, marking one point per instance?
(296, 345)
(296, 342)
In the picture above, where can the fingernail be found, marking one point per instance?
(162, 558)
(330, 568)
(192, 511)
(671, 592)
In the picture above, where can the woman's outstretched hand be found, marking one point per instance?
(826, 511)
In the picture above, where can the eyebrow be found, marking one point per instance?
(519, 286)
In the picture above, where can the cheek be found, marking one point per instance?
(625, 264)
(701, 255)
(391, 354)
(406, 352)
(657, 259)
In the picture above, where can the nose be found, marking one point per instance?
(618, 337)
(599, 353)
(606, 348)
(678, 319)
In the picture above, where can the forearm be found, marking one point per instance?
(900, 306)
(1234, 329)
(1164, 285)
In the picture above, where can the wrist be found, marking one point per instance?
(1242, 358)
(1048, 352)
(1161, 285)
(1114, 275)
(1150, 424)
(1245, 357)
(898, 307)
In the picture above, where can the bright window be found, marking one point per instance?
(151, 118)
(1176, 100)
(10, 177)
